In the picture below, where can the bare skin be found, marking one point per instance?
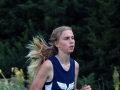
(65, 46)
(44, 74)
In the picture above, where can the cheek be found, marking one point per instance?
(63, 45)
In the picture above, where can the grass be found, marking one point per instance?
(16, 82)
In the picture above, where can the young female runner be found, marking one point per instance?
(53, 68)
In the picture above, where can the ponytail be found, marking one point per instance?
(39, 52)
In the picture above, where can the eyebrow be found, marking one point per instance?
(68, 36)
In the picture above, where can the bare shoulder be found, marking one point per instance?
(47, 65)
(45, 69)
(42, 75)
(76, 65)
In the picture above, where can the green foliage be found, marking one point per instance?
(103, 42)
(116, 79)
(10, 56)
(16, 81)
(96, 26)
(89, 80)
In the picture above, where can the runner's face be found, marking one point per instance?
(66, 42)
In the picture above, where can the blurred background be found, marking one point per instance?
(95, 23)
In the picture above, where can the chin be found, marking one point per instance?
(71, 52)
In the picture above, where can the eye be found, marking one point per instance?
(66, 38)
(72, 37)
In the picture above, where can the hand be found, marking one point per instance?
(86, 87)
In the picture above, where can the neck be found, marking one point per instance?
(63, 58)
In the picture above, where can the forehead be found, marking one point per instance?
(67, 33)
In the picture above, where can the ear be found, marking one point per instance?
(56, 44)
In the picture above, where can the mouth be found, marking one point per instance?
(71, 46)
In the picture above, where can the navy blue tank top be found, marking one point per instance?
(62, 80)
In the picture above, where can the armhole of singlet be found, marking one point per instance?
(47, 83)
(48, 86)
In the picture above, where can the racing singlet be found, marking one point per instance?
(62, 80)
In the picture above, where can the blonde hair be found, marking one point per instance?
(41, 51)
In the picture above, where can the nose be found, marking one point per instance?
(72, 40)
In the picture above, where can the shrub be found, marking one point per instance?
(16, 82)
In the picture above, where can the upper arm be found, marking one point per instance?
(76, 72)
(41, 76)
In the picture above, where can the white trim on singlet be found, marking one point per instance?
(48, 87)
